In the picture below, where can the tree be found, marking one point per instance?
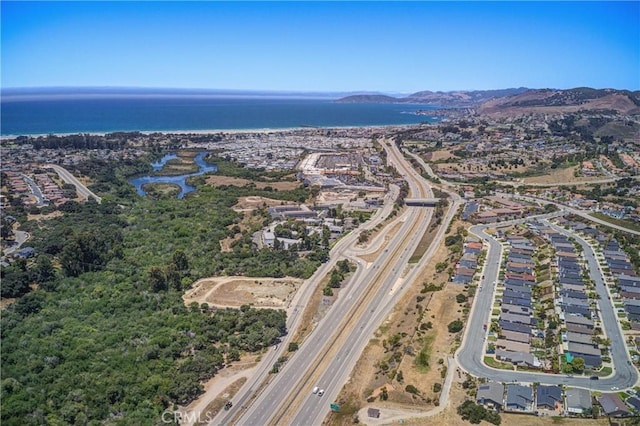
(455, 326)
(384, 395)
(181, 261)
(475, 413)
(172, 277)
(578, 364)
(412, 389)
(157, 279)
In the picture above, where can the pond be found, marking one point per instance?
(180, 180)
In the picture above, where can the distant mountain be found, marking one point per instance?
(369, 99)
(559, 101)
(456, 99)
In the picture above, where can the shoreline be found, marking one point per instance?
(210, 131)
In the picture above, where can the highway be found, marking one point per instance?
(82, 190)
(247, 393)
(330, 352)
(471, 352)
(338, 372)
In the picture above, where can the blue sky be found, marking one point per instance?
(392, 47)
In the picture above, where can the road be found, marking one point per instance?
(471, 352)
(572, 210)
(20, 237)
(330, 352)
(82, 190)
(312, 411)
(35, 190)
(253, 387)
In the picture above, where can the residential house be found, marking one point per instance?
(577, 401)
(548, 397)
(519, 397)
(491, 395)
(612, 405)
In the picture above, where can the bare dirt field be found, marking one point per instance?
(51, 215)
(336, 197)
(237, 291)
(443, 154)
(560, 176)
(217, 180)
(254, 202)
(6, 302)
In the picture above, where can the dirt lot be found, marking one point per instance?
(443, 154)
(560, 176)
(254, 202)
(235, 181)
(237, 291)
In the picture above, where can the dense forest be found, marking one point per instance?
(99, 333)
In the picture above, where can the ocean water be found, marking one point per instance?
(32, 117)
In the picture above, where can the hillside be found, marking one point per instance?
(564, 101)
(454, 99)
(462, 98)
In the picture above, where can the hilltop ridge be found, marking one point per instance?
(520, 100)
(570, 100)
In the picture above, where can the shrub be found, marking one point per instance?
(455, 326)
(412, 389)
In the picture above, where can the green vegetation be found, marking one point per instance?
(492, 362)
(103, 336)
(338, 275)
(455, 326)
(475, 413)
(422, 358)
(620, 222)
(605, 371)
(412, 389)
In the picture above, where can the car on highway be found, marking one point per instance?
(321, 392)
(594, 378)
(315, 390)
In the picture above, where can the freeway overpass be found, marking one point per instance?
(422, 202)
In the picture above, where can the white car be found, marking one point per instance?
(316, 389)
(321, 392)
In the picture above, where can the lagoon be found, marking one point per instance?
(180, 180)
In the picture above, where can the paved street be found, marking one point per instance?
(82, 190)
